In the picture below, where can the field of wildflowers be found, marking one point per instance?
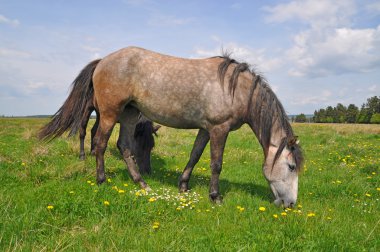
(49, 199)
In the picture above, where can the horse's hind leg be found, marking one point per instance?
(127, 121)
(82, 131)
(199, 145)
(106, 124)
(93, 132)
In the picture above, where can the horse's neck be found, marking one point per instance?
(267, 136)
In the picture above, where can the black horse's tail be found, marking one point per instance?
(69, 116)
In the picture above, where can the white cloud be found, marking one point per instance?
(163, 20)
(5, 52)
(256, 58)
(373, 8)
(335, 52)
(320, 13)
(8, 21)
(329, 45)
(372, 88)
(302, 99)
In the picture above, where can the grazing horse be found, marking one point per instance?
(141, 143)
(215, 95)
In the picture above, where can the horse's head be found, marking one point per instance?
(281, 168)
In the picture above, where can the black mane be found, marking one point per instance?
(266, 107)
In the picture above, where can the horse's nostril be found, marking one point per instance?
(291, 205)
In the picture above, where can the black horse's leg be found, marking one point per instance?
(82, 131)
(124, 144)
(93, 132)
(199, 145)
(218, 137)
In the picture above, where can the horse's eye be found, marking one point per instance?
(292, 167)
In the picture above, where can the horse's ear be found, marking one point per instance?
(156, 128)
(292, 142)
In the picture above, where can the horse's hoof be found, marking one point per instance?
(82, 157)
(216, 198)
(183, 187)
(100, 180)
(92, 153)
(145, 186)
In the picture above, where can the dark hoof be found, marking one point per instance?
(82, 157)
(100, 180)
(183, 187)
(93, 153)
(216, 198)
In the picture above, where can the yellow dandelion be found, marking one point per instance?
(50, 207)
(378, 188)
(125, 184)
(329, 218)
(156, 225)
(299, 206)
(106, 203)
(71, 192)
(178, 209)
(137, 193)
(241, 209)
(92, 184)
(109, 180)
(152, 199)
(23, 164)
(262, 209)
(275, 216)
(311, 215)
(373, 173)
(368, 195)
(121, 191)
(339, 182)
(284, 214)
(89, 182)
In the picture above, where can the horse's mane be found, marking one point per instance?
(266, 107)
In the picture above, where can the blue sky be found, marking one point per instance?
(313, 53)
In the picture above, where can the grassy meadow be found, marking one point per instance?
(49, 199)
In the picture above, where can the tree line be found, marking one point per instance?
(368, 113)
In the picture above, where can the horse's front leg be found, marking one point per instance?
(125, 147)
(218, 137)
(199, 145)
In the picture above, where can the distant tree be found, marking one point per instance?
(373, 105)
(352, 113)
(341, 112)
(301, 118)
(375, 118)
(364, 115)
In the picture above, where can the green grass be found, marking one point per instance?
(338, 208)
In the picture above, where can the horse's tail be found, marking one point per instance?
(69, 116)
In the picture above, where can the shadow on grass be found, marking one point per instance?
(170, 178)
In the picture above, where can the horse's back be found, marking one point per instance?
(177, 92)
